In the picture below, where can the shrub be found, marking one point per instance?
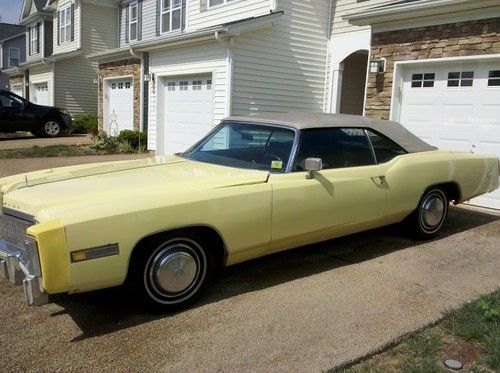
(133, 138)
(104, 143)
(84, 123)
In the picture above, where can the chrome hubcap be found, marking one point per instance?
(432, 211)
(175, 272)
(52, 128)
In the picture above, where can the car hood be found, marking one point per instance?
(43, 193)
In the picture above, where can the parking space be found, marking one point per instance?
(309, 309)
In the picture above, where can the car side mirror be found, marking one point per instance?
(311, 165)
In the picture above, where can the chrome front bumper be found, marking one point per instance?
(20, 266)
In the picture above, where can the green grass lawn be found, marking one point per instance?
(470, 334)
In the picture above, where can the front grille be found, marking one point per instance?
(13, 230)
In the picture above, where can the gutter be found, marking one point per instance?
(385, 12)
(63, 56)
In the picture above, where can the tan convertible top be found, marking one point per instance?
(300, 121)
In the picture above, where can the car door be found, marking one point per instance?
(348, 195)
(12, 115)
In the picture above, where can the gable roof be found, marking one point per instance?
(38, 4)
(7, 30)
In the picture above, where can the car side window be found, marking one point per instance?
(7, 100)
(337, 148)
(384, 148)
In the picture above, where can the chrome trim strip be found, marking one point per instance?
(18, 215)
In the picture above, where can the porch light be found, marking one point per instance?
(149, 77)
(377, 66)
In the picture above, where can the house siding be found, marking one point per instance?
(282, 68)
(233, 11)
(33, 57)
(450, 40)
(19, 43)
(148, 21)
(71, 45)
(343, 7)
(209, 57)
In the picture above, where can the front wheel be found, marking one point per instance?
(428, 219)
(50, 128)
(172, 273)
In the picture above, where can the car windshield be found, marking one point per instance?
(245, 145)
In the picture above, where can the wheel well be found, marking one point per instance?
(451, 189)
(209, 235)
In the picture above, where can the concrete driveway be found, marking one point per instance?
(22, 140)
(310, 309)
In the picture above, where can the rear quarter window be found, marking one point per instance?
(385, 149)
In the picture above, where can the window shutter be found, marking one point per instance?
(183, 15)
(29, 40)
(203, 5)
(72, 21)
(158, 14)
(139, 20)
(58, 28)
(38, 37)
(120, 23)
(127, 24)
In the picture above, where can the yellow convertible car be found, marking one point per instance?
(253, 186)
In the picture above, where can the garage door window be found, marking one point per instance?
(494, 78)
(423, 80)
(461, 79)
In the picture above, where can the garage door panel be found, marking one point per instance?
(461, 117)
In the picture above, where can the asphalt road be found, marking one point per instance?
(308, 309)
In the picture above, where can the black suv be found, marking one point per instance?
(18, 114)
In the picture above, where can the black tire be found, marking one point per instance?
(50, 128)
(172, 272)
(427, 220)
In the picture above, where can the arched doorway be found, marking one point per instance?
(353, 83)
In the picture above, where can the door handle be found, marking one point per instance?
(379, 180)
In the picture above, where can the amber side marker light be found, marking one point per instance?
(95, 253)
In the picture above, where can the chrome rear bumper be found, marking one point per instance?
(20, 266)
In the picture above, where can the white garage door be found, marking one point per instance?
(17, 89)
(41, 96)
(188, 111)
(455, 106)
(120, 102)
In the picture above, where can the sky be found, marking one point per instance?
(9, 10)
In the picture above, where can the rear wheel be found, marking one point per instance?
(172, 273)
(428, 219)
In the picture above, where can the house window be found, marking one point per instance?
(461, 79)
(65, 25)
(171, 86)
(14, 57)
(133, 22)
(197, 84)
(171, 13)
(33, 30)
(183, 85)
(423, 80)
(217, 2)
(494, 78)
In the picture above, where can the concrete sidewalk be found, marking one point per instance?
(309, 309)
(28, 141)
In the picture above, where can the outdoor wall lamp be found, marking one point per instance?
(377, 66)
(149, 77)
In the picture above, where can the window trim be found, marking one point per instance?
(135, 5)
(492, 78)
(170, 10)
(33, 39)
(60, 26)
(224, 3)
(460, 79)
(423, 80)
(10, 57)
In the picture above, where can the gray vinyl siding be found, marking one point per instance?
(282, 68)
(148, 21)
(70, 45)
(18, 42)
(343, 7)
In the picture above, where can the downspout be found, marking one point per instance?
(141, 84)
(328, 79)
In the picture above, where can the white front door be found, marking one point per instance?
(455, 106)
(17, 89)
(120, 106)
(188, 111)
(41, 94)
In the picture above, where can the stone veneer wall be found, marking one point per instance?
(450, 40)
(130, 66)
